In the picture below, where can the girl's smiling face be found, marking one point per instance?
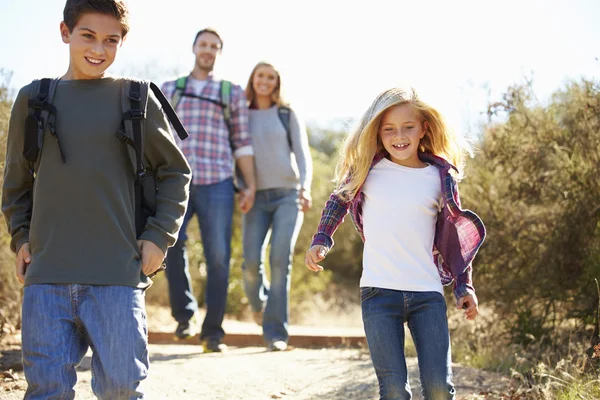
(400, 131)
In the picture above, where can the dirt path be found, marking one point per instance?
(250, 373)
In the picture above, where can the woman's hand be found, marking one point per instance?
(470, 305)
(313, 256)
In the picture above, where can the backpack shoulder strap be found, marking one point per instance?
(134, 101)
(180, 85)
(284, 116)
(41, 115)
(226, 101)
(170, 112)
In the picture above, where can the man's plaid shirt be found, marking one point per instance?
(208, 149)
(459, 233)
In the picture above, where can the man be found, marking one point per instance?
(215, 142)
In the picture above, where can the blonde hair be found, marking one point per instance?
(275, 96)
(363, 142)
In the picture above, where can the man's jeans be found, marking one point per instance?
(384, 313)
(213, 204)
(275, 214)
(60, 323)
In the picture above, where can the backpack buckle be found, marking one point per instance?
(136, 114)
(135, 95)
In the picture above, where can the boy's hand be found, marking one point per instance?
(246, 200)
(23, 260)
(313, 256)
(305, 200)
(152, 256)
(470, 305)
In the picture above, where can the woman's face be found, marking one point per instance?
(264, 81)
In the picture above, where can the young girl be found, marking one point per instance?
(282, 195)
(397, 178)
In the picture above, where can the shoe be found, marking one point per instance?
(214, 346)
(277, 345)
(258, 317)
(186, 329)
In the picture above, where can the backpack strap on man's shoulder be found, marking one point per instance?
(225, 93)
(180, 85)
(284, 113)
(41, 115)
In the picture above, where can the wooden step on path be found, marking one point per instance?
(253, 339)
(244, 334)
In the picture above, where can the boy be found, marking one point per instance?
(73, 222)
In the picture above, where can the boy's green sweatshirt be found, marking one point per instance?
(78, 216)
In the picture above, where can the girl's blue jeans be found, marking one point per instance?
(275, 217)
(384, 313)
(61, 321)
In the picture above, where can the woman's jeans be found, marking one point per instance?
(275, 215)
(59, 324)
(384, 313)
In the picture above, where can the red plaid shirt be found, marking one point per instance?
(208, 150)
(459, 233)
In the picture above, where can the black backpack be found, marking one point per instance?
(134, 100)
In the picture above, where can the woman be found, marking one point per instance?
(282, 195)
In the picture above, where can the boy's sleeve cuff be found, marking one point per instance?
(157, 238)
(19, 240)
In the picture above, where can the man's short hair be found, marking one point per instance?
(75, 9)
(208, 30)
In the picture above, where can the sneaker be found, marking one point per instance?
(186, 329)
(258, 317)
(214, 346)
(277, 345)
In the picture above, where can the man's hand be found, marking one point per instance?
(246, 200)
(314, 255)
(305, 200)
(23, 261)
(152, 256)
(470, 305)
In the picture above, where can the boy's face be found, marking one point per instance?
(93, 45)
(206, 49)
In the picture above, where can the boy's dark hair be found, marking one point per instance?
(74, 9)
(208, 30)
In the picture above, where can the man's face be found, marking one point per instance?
(206, 49)
(93, 44)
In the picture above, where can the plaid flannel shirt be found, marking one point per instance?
(211, 148)
(458, 236)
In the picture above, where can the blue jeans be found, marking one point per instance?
(275, 215)
(60, 323)
(213, 204)
(384, 313)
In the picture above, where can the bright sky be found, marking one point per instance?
(335, 56)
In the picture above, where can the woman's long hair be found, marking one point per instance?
(363, 142)
(275, 96)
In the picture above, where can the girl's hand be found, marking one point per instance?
(305, 200)
(313, 256)
(470, 305)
